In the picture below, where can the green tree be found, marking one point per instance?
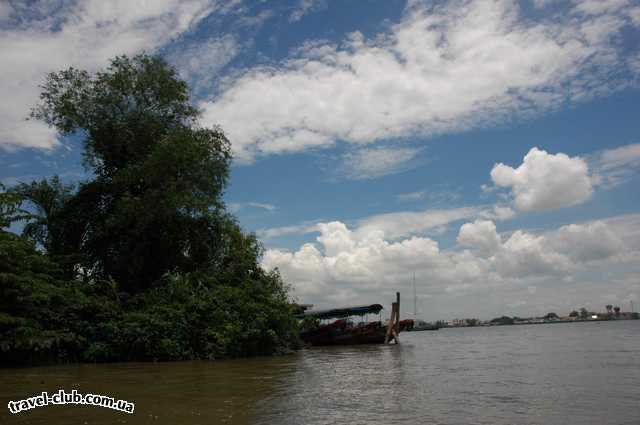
(584, 313)
(168, 273)
(9, 207)
(503, 320)
(617, 310)
(155, 204)
(45, 200)
(45, 203)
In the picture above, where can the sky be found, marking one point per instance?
(486, 151)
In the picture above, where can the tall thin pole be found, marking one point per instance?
(415, 298)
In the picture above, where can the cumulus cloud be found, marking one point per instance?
(396, 225)
(584, 243)
(440, 69)
(480, 235)
(47, 36)
(545, 181)
(346, 260)
(526, 254)
(367, 265)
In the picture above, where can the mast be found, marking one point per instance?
(415, 302)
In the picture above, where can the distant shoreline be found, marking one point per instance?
(550, 322)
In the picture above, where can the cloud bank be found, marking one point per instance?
(346, 266)
(440, 69)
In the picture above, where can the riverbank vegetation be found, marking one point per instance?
(141, 261)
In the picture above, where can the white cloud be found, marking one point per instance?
(391, 226)
(412, 196)
(526, 254)
(401, 224)
(199, 62)
(544, 3)
(595, 7)
(613, 167)
(396, 225)
(584, 243)
(305, 7)
(436, 196)
(296, 229)
(82, 34)
(237, 206)
(545, 181)
(440, 69)
(262, 206)
(634, 13)
(370, 163)
(480, 235)
(5, 11)
(499, 212)
(367, 266)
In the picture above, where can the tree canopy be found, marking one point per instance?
(149, 263)
(155, 204)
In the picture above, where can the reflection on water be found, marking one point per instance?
(587, 373)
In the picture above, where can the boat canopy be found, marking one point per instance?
(338, 313)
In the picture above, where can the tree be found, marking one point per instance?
(504, 320)
(574, 313)
(609, 307)
(170, 274)
(46, 201)
(9, 207)
(584, 313)
(617, 310)
(34, 305)
(551, 316)
(155, 205)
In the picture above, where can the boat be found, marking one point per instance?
(345, 331)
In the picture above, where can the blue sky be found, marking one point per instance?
(489, 147)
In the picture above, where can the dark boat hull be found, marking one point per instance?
(341, 333)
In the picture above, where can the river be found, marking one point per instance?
(580, 373)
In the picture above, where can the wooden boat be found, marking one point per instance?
(348, 332)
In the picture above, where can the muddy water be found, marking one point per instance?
(586, 373)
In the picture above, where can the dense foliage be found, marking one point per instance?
(142, 261)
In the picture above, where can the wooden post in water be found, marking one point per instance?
(393, 329)
(397, 316)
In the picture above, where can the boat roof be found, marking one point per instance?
(337, 313)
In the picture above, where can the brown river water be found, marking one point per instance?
(582, 373)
